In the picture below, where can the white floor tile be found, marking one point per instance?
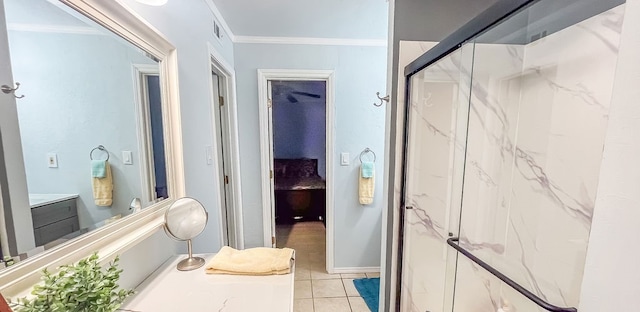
(358, 305)
(302, 290)
(328, 288)
(353, 275)
(302, 274)
(331, 305)
(303, 305)
(320, 274)
(350, 288)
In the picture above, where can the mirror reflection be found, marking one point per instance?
(90, 128)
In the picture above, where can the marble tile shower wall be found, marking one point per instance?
(537, 123)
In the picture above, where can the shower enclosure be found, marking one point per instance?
(505, 127)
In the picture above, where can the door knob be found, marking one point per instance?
(9, 90)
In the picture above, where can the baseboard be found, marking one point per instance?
(356, 270)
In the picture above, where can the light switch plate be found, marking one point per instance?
(209, 154)
(127, 157)
(344, 159)
(52, 160)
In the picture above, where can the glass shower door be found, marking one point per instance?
(536, 129)
(436, 126)
(503, 151)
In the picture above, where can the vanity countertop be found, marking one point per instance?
(38, 200)
(168, 289)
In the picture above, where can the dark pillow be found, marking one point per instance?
(295, 168)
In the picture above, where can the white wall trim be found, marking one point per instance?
(289, 74)
(80, 30)
(265, 186)
(216, 59)
(125, 233)
(311, 41)
(388, 281)
(143, 128)
(356, 270)
(218, 15)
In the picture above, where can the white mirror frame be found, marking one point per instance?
(119, 236)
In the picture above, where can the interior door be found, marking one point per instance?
(15, 195)
(438, 108)
(222, 161)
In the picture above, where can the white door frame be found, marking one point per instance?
(265, 75)
(143, 128)
(216, 60)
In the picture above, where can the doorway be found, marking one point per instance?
(298, 130)
(150, 133)
(223, 154)
(296, 114)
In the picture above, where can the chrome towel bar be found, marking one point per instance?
(453, 242)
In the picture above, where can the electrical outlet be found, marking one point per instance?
(52, 160)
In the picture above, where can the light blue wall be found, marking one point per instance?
(79, 94)
(188, 25)
(360, 72)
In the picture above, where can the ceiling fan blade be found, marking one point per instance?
(291, 98)
(313, 95)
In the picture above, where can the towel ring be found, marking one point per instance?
(367, 150)
(99, 147)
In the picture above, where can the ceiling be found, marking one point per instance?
(343, 19)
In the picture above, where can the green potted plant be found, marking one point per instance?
(81, 287)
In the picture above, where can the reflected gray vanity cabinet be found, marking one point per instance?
(55, 220)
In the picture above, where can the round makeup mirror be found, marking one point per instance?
(184, 220)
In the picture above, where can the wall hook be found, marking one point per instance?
(9, 90)
(385, 99)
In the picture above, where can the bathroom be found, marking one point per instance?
(594, 179)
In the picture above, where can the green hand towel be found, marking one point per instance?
(98, 168)
(367, 168)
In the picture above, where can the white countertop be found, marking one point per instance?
(171, 290)
(37, 200)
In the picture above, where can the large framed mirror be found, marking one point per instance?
(97, 130)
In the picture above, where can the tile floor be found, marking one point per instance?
(315, 290)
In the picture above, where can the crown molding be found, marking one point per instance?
(218, 15)
(311, 41)
(41, 28)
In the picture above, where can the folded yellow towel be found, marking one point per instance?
(365, 188)
(253, 261)
(103, 188)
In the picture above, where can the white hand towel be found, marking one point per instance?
(252, 261)
(366, 187)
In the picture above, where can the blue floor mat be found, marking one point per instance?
(369, 289)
